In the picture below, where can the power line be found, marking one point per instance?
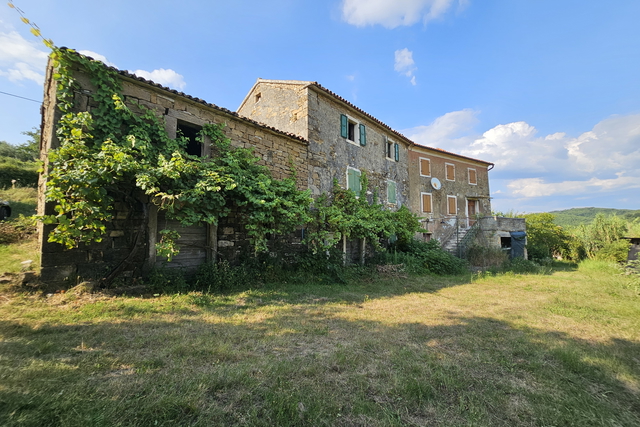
(21, 97)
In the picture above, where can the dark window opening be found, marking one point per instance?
(189, 131)
(505, 242)
(352, 132)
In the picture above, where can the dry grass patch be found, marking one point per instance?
(496, 351)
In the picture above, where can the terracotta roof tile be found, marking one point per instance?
(129, 75)
(395, 132)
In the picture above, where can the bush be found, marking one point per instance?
(434, 259)
(617, 251)
(222, 277)
(483, 256)
(167, 280)
(25, 173)
(524, 266)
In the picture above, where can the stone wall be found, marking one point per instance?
(278, 103)
(439, 220)
(131, 236)
(331, 154)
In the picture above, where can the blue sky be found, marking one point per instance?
(549, 91)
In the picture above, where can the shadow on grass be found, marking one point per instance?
(310, 366)
(26, 209)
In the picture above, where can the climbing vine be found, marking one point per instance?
(119, 152)
(343, 214)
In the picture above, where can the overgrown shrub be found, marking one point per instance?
(24, 173)
(524, 266)
(615, 251)
(482, 256)
(222, 277)
(167, 280)
(435, 260)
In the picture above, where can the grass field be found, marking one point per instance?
(561, 349)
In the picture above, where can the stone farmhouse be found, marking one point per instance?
(325, 136)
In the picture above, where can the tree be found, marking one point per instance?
(604, 231)
(26, 152)
(544, 237)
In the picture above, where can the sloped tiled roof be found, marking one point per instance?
(395, 132)
(132, 76)
(319, 87)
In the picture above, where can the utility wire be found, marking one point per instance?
(21, 97)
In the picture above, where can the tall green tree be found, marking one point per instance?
(544, 237)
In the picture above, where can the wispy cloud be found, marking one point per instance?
(392, 14)
(21, 59)
(97, 56)
(164, 77)
(405, 65)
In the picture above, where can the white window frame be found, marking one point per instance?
(420, 166)
(446, 175)
(469, 175)
(422, 203)
(389, 152)
(356, 130)
(455, 205)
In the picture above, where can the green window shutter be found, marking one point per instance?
(344, 126)
(391, 192)
(363, 135)
(396, 149)
(353, 180)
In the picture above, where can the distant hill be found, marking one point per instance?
(576, 216)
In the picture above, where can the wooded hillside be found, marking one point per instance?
(578, 216)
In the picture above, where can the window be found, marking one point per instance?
(425, 167)
(427, 206)
(353, 180)
(352, 131)
(391, 149)
(473, 177)
(452, 205)
(450, 171)
(190, 132)
(391, 192)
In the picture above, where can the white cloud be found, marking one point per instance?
(21, 59)
(612, 145)
(602, 161)
(97, 56)
(446, 131)
(392, 14)
(164, 77)
(405, 65)
(538, 187)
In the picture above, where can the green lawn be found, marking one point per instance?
(561, 349)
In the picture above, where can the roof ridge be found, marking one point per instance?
(133, 76)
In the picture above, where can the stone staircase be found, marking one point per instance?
(460, 239)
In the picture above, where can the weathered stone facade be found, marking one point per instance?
(314, 113)
(432, 187)
(286, 123)
(138, 226)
